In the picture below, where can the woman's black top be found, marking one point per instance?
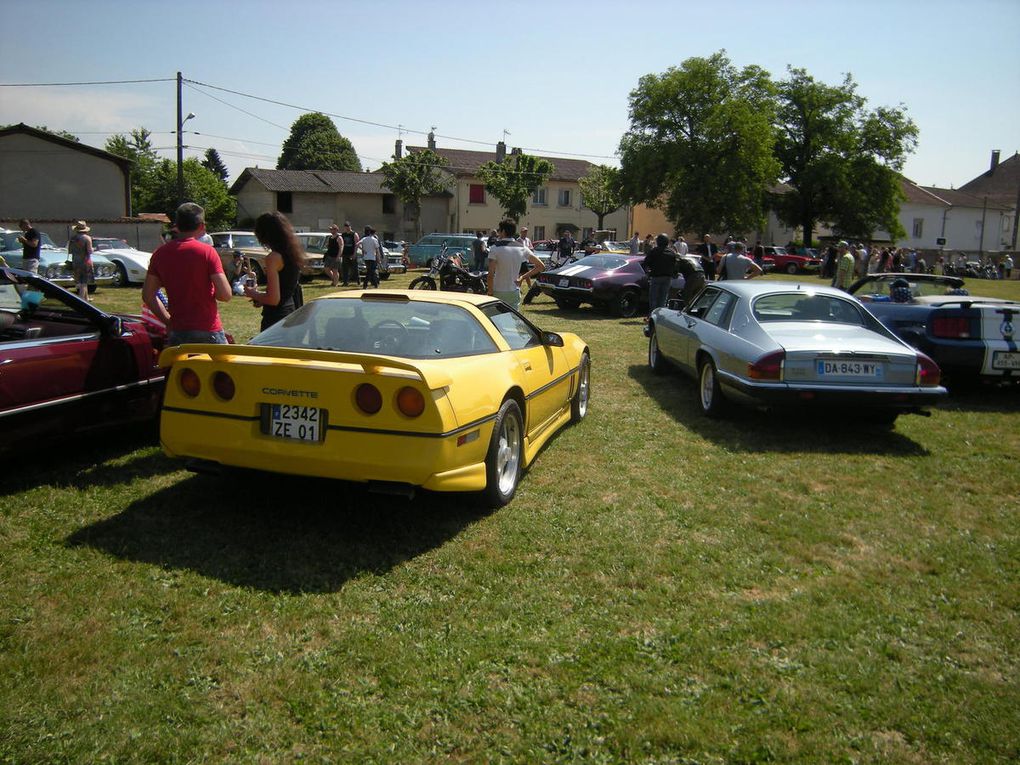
(289, 279)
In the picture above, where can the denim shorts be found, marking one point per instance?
(195, 336)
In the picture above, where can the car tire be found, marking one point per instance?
(567, 304)
(503, 461)
(627, 303)
(384, 275)
(579, 403)
(422, 283)
(93, 288)
(791, 268)
(120, 278)
(709, 393)
(656, 360)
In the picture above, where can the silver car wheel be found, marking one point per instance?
(579, 404)
(508, 454)
(707, 386)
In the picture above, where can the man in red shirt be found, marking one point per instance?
(192, 274)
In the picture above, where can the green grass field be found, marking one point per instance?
(663, 589)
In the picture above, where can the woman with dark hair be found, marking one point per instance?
(282, 267)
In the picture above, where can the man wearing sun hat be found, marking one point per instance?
(80, 249)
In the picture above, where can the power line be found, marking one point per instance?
(69, 84)
(225, 103)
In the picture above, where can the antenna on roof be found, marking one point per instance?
(505, 134)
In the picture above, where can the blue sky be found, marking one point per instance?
(556, 75)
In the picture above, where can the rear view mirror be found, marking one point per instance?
(552, 339)
(675, 304)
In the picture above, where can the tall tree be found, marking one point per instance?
(200, 185)
(600, 191)
(138, 148)
(214, 164)
(842, 160)
(514, 180)
(414, 177)
(315, 144)
(700, 144)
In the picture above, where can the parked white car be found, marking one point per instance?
(132, 265)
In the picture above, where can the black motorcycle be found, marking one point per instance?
(445, 274)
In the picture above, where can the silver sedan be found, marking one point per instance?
(774, 344)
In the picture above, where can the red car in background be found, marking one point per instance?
(778, 259)
(68, 366)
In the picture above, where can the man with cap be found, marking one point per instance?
(844, 267)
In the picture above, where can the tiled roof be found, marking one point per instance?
(321, 181)
(1001, 183)
(461, 163)
(958, 198)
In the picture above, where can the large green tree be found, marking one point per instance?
(700, 144)
(841, 159)
(201, 185)
(414, 177)
(514, 180)
(600, 191)
(315, 144)
(138, 148)
(214, 164)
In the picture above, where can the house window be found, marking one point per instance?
(563, 198)
(476, 195)
(918, 228)
(284, 201)
(539, 233)
(538, 198)
(389, 204)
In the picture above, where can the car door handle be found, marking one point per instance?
(526, 365)
(690, 324)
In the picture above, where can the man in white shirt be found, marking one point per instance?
(505, 260)
(681, 246)
(371, 251)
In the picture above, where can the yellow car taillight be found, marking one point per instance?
(189, 382)
(368, 398)
(223, 384)
(410, 402)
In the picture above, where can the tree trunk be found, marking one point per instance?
(808, 230)
(601, 217)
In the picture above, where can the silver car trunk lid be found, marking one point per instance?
(843, 354)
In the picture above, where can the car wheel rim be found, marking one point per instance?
(508, 455)
(582, 391)
(653, 350)
(707, 386)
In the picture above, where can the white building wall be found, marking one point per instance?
(962, 227)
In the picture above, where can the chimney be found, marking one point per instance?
(500, 151)
(515, 151)
(432, 140)
(995, 160)
(398, 149)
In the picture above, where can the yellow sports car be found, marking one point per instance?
(400, 389)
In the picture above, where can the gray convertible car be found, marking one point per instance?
(773, 344)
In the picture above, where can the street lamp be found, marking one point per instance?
(180, 153)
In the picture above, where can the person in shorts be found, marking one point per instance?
(80, 249)
(31, 243)
(505, 261)
(331, 258)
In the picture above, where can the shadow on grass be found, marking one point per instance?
(749, 430)
(279, 534)
(983, 398)
(81, 461)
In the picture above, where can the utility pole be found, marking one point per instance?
(180, 144)
(981, 243)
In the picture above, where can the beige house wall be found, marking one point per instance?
(41, 179)
(469, 218)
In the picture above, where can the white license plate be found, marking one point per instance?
(564, 282)
(827, 368)
(298, 423)
(1006, 360)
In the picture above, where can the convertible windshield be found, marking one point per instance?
(800, 306)
(410, 329)
(881, 288)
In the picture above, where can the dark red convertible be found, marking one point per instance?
(66, 365)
